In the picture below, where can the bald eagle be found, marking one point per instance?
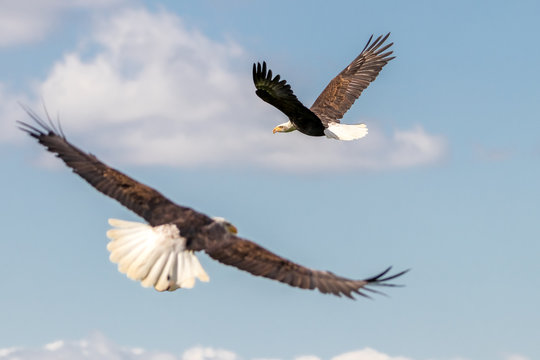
(338, 96)
(161, 253)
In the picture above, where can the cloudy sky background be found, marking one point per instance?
(446, 182)
(97, 346)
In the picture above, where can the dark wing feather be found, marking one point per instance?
(345, 88)
(141, 199)
(250, 257)
(278, 93)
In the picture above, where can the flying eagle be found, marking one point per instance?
(161, 253)
(338, 96)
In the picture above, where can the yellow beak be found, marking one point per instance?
(232, 229)
(276, 129)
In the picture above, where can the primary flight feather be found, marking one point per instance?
(162, 253)
(338, 96)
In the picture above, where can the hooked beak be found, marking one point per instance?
(277, 129)
(232, 229)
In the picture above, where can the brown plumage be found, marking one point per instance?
(336, 98)
(201, 233)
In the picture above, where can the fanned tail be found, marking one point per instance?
(155, 256)
(345, 131)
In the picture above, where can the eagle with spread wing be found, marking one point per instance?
(161, 253)
(335, 100)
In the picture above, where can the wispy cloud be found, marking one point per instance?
(307, 357)
(28, 21)
(54, 345)
(206, 353)
(492, 154)
(367, 354)
(516, 357)
(97, 346)
(94, 347)
(5, 352)
(157, 93)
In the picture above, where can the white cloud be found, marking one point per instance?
(206, 353)
(414, 147)
(367, 354)
(26, 21)
(516, 357)
(158, 93)
(54, 345)
(97, 347)
(307, 357)
(18, 26)
(6, 351)
(94, 347)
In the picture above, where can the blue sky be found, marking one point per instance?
(446, 182)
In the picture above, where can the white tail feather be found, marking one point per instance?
(155, 256)
(153, 275)
(346, 132)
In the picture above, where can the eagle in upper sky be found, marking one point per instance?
(161, 253)
(323, 116)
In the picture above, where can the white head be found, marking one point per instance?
(227, 225)
(285, 127)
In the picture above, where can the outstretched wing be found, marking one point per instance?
(345, 88)
(279, 94)
(137, 197)
(250, 257)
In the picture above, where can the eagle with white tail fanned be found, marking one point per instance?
(162, 253)
(322, 119)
